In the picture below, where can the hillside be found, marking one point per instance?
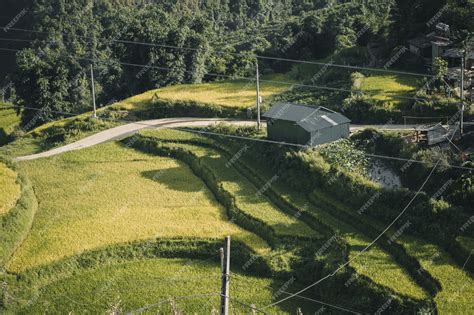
(129, 152)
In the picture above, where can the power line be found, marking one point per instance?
(142, 309)
(244, 304)
(210, 133)
(256, 56)
(366, 247)
(360, 92)
(303, 297)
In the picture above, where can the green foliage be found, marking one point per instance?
(9, 120)
(439, 68)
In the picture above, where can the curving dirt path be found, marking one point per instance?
(123, 131)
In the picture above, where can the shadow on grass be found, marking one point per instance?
(173, 179)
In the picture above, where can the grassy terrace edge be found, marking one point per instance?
(151, 144)
(17, 222)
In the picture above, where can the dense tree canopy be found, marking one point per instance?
(221, 37)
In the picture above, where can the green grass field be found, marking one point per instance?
(9, 191)
(389, 87)
(245, 193)
(377, 265)
(134, 285)
(231, 93)
(109, 194)
(8, 121)
(457, 285)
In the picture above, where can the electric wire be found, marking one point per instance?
(256, 56)
(291, 84)
(142, 309)
(237, 276)
(366, 247)
(258, 140)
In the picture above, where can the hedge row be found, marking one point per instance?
(311, 271)
(411, 264)
(15, 224)
(258, 181)
(151, 145)
(161, 108)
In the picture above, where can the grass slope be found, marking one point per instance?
(375, 265)
(133, 285)
(246, 194)
(457, 285)
(8, 121)
(238, 93)
(388, 87)
(109, 194)
(10, 189)
(232, 93)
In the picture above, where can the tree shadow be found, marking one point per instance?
(173, 179)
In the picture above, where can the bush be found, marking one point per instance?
(363, 109)
(164, 109)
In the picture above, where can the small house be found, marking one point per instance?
(432, 45)
(306, 125)
(432, 135)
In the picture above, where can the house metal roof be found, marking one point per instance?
(309, 118)
(457, 53)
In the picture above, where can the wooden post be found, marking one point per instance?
(253, 309)
(93, 92)
(461, 120)
(258, 95)
(225, 266)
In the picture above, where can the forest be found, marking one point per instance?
(188, 42)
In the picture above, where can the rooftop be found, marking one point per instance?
(310, 118)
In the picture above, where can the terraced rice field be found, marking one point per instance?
(376, 265)
(248, 197)
(457, 285)
(10, 190)
(149, 283)
(110, 194)
(391, 85)
(231, 93)
(455, 295)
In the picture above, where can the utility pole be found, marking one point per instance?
(258, 95)
(461, 122)
(93, 92)
(225, 266)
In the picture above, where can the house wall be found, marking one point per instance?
(330, 134)
(290, 132)
(287, 131)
